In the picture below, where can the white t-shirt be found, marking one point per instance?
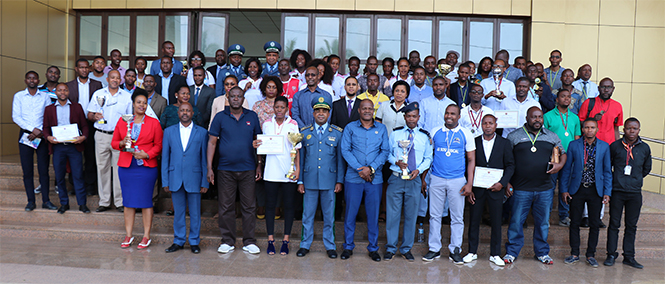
(472, 120)
(278, 165)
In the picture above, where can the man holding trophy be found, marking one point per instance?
(105, 108)
(410, 156)
(497, 87)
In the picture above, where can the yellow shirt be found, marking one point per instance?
(377, 100)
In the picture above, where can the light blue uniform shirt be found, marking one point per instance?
(302, 110)
(363, 147)
(166, 81)
(421, 144)
(432, 111)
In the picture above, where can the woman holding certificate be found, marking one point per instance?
(277, 173)
(137, 166)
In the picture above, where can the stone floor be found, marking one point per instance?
(58, 261)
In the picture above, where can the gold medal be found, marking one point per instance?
(473, 131)
(533, 149)
(566, 134)
(463, 105)
(447, 154)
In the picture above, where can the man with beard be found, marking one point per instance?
(430, 70)
(220, 60)
(419, 90)
(363, 81)
(608, 112)
(97, 73)
(540, 92)
(302, 100)
(52, 79)
(521, 102)
(553, 73)
(531, 183)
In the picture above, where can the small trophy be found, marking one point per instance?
(101, 101)
(294, 138)
(444, 69)
(128, 118)
(496, 74)
(406, 147)
(536, 87)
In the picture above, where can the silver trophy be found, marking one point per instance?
(128, 118)
(496, 74)
(101, 100)
(406, 147)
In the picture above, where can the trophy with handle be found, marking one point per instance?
(101, 100)
(444, 69)
(128, 118)
(294, 138)
(405, 145)
(496, 74)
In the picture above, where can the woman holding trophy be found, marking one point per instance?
(282, 168)
(139, 138)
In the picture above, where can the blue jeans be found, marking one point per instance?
(540, 202)
(563, 207)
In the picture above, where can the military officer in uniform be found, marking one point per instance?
(234, 67)
(272, 49)
(322, 177)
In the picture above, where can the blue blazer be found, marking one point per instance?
(571, 174)
(189, 167)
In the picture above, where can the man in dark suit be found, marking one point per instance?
(220, 59)
(492, 151)
(345, 109)
(65, 112)
(168, 83)
(201, 96)
(155, 100)
(183, 174)
(80, 91)
(459, 91)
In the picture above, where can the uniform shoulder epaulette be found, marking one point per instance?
(398, 128)
(425, 131)
(305, 128)
(336, 128)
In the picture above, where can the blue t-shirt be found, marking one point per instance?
(457, 142)
(236, 153)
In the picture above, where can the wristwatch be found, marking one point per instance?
(371, 169)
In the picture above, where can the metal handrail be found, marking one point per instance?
(658, 141)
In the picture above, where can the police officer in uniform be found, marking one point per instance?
(272, 49)
(233, 67)
(322, 175)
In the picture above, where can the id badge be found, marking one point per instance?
(627, 170)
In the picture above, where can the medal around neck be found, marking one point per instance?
(406, 146)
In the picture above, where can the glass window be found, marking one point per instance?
(420, 36)
(357, 37)
(90, 35)
(389, 38)
(147, 35)
(175, 30)
(296, 34)
(481, 37)
(118, 37)
(511, 38)
(213, 30)
(326, 41)
(451, 37)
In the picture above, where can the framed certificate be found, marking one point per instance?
(65, 133)
(270, 144)
(486, 177)
(507, 118)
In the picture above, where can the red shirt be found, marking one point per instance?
(612, 116)
(291, 88)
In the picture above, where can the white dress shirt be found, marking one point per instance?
(209, 79)
(521, 107)
(487, 147)
(28, 110)
(591, 90)
(466, 119)
(507, 87)
(84, 94)
(114, 107)
(185, 132)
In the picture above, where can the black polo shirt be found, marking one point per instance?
(640, 163)
(531, 167)
(236, 153)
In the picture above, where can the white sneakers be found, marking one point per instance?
(470, 257)
(253, 249)
(224, 248)
(497, 260)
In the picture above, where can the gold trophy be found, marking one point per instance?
(536, 86)
(444, 69)
(128, 118)
(405, 145)
(294, 138)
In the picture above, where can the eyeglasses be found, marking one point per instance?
(476, 92)
(555, 56)
(196, 59)
(310, 75)
(500, 66)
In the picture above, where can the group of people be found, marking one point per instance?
(415, 142)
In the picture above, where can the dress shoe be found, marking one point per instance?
(602, 225)
(388, 256)
(31, 206)
(84, 209)
(332, 253)
(48, 205)
(374, 255)
(609, 261)
(632, 262)
(584, 223)
(302, 252)
(346, 254)
(173, 248)
(63, 208)
(195, 249)
(102, 208)
(121, 209)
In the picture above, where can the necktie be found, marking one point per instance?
(320, 131)
(219, 68)
(272, 68)
(196, 94)
(412, 153)
(350, 107)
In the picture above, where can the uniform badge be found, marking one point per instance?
(320, 99)
(376, 132)
(331, 138)
(272, 44)
(227, 73)
(249, 123)
(309, 136)
(293, 88)
(237, 46)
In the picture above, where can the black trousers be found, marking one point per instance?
(27, 154)
(90, 166)
(587, 195)
(272, 190)
(632, 202)
(495, 207)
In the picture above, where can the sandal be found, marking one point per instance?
(285, 248)
(144, 243)
(382, 216)
(271, 248)
(127, 242)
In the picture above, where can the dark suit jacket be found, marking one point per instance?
(340, 112)
(158, 104)
(204, 102)
(76, 115)
(174, 85)
(455, 93)
(73, 86)
(500, 158)
(571, 174)
(213, 71)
